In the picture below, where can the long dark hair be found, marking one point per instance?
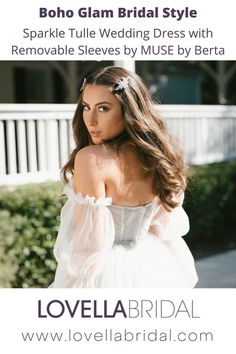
(160, 155)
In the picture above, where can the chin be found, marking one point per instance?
(96, 141)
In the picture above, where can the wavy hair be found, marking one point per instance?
(160, 155)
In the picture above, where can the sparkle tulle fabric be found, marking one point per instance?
(101, 245)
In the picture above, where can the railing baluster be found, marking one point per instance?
(41, 137)
(32, 152)
(71, 139)
(3, 169)
(21, 146)
(63, 142)
(11, 146)
(52, 146)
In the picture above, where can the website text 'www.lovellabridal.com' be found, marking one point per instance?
(113, 335)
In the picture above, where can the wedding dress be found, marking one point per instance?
(102, 245)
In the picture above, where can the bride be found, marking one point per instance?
(123, 221)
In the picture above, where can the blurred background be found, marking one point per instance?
(37, 100)
(181, 82)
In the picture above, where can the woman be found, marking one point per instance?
(122, 223)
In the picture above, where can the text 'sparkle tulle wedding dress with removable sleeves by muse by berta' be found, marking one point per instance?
(101, 245)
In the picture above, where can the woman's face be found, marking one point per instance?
(102, 113)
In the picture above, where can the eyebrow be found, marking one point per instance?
(97, 104)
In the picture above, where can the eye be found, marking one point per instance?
(85, 107)
(103, 109)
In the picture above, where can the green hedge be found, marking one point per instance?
(29, 221)
(211, 205)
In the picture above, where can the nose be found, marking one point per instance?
(91, 118)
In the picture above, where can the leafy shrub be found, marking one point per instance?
(29, 220)
(210, 203)
(8, 261)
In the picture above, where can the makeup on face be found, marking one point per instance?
(102, 113)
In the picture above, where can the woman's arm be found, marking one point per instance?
(86, 232)
(170, 224)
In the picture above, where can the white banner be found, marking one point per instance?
(112, 321)
(117, 30)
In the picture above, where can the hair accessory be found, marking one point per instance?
(121, 84)
(83, 84)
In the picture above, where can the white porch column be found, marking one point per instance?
(127, 64)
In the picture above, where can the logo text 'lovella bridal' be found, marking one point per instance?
(106, 309)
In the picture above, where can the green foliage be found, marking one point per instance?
(29, 221)
(210, 203)
(8, 261)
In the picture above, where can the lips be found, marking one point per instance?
(95, 133)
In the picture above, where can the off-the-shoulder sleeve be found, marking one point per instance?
(170, 224)
(86, 235)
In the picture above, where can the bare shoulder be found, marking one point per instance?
(91, 152)
(94, 157)
(89, 171)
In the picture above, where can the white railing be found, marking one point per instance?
(36, 139)
(207, 133)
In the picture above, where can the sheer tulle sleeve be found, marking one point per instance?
(169, 225)
(86, 235)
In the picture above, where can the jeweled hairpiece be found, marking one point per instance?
(121, 84)
(83, 84)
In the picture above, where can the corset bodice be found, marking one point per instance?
(131, 223)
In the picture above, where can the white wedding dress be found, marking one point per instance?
(101, 245)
